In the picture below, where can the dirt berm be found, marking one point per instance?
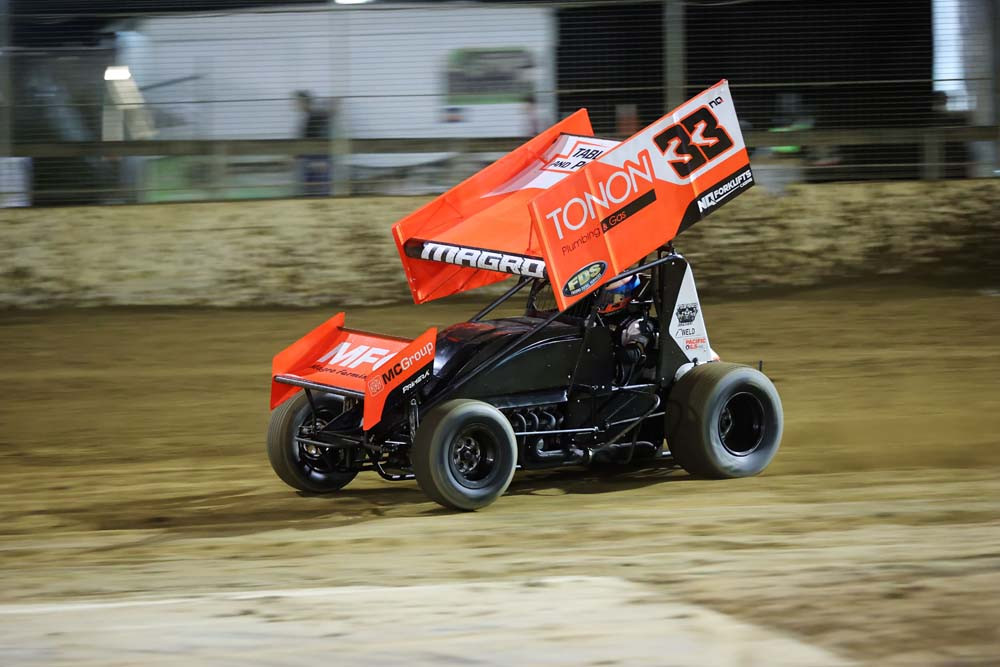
(339, 252)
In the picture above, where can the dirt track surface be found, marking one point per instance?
(132, 469)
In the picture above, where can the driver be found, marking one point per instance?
(617, 294)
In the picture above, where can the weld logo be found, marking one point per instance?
(375, 385)
(477, 258)
(619, 187)
(719, 194)
(585, 278)
(686, 312)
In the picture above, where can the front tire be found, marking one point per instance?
(724, 420)
(464, 454)
(311, 471)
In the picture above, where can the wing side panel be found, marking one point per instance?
(641, 194)
(432, 280)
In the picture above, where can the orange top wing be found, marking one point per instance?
(639, 195)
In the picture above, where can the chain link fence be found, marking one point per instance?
(153, 101)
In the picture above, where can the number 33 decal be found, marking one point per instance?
(693, 142)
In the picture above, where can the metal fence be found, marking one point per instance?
(150, 101)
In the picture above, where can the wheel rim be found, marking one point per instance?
(741, 424)
(317, 463)
(473, 457)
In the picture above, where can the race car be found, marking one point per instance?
(609, 360)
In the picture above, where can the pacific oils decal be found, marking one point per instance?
(407, 368)
(583, 279)
(633, 198)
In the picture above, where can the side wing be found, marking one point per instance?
(636, 197)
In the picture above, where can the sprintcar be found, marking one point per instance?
(608, 361)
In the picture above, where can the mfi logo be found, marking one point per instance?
(345, 356)
(619, 187)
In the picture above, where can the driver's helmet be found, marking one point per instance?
(617, 294)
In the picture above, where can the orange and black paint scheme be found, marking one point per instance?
(565, 213)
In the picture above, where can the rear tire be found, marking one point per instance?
(291, 462)
(464, 454)
(724, 420)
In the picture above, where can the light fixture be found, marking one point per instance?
(351, 2)
(117, 73)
